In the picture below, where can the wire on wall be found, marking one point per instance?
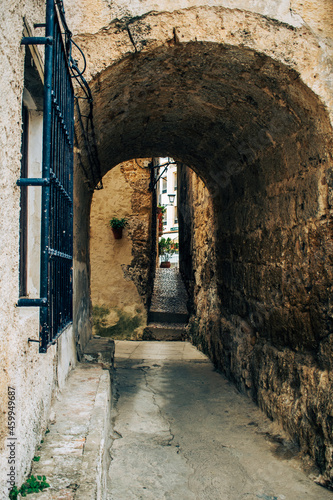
(85, 131)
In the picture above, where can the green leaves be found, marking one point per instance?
(32, 485)
(118, 223)
(166, 248)
(13, 493)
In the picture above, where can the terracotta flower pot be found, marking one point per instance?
(165, 265)
(117, 232)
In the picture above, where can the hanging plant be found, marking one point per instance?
(161, 210)
(117, 226)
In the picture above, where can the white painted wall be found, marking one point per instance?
(35, 377)
(171, 182)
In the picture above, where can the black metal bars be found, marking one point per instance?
(59, 249)
(57, 184)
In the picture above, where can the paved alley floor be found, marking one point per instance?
(181, 431)
(169, 293)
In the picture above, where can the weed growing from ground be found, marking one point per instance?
(32, 485)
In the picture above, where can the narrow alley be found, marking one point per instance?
(182, 431)
(166, 191)
(168, 313)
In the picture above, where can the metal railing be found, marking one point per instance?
(56, 261)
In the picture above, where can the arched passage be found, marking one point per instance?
(259, 138)
(232, 102)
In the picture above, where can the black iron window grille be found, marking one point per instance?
(56, 260)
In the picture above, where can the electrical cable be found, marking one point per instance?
(87, 129)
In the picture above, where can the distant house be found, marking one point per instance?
(167, 197)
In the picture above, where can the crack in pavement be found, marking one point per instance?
(179, 449)
(162, 416)
(180, 431)
(146, 462)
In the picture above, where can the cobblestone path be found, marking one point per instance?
(169, 292)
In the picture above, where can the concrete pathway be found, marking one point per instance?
(182, 432)
(73, 455)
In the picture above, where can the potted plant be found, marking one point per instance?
(117, 226)
(166, 249)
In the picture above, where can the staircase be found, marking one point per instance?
(168, 313)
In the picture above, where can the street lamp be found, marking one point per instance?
(171, 198)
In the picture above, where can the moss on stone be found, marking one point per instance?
(125, 327)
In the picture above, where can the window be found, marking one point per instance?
(23, 272)
(55, 184)
(164, 185)
(31, 159)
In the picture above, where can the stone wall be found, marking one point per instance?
(275, 282)
(82, 323)
(300, 35)
(243, 94)
(261, 293)
(197, 257)
(121, 281)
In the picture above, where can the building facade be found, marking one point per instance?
(167, 198)
(28, 379)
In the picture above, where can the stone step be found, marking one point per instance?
(74, 455)
(165, 331)
(100, 351)
(155, 316)
(164, 303)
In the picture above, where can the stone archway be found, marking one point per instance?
(260, 139)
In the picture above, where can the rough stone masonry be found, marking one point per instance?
(242, 93)
(243, 96)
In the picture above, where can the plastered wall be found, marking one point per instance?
(295, 13)
(34, 377)
(120, 269)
